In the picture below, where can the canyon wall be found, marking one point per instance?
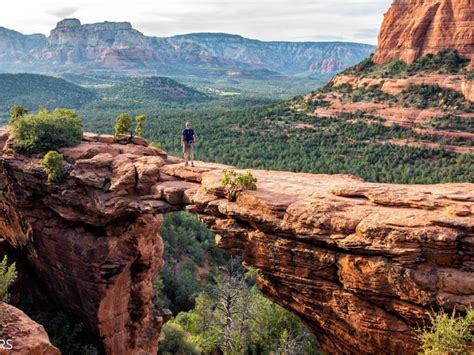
(360, 263)
(413, 28)
(95, 253)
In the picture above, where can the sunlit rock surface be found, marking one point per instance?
(360, 263)
(413, 28)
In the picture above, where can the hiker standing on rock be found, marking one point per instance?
(188, 137)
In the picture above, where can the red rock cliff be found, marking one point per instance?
(359, 263)
(89, 240)
(362, 264)
(412, 28)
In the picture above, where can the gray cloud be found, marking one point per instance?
(295, 20)
(366, 33)
(350, 8)
(323, 37)
(62, 12)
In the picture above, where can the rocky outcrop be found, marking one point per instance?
(392, 95)
(377, 97)
(112, 44)
(96, 252)
(413, 28)
(395, 86)
(20, 335)
(360, 263)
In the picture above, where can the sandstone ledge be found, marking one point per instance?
(395, 86)
(361, 263)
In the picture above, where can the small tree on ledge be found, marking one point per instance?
(122, 125)
(140, 122)
(53, 163)
(8, 275)
(235, 182)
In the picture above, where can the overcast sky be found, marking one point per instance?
(292, 20)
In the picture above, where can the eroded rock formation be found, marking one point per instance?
(396, 85)
(113, 44)
(94, 251)
(20, 335)
(412, 28)
(360, 263)
(389, 108)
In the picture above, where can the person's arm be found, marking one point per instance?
(195, 137)
(182, 139)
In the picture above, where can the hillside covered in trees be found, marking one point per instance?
(308, 133)
(34, 91)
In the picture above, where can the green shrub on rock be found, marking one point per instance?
(122, 125)
(53, 163)
(139, 129)
(156, 145)
(448, 334)
(235, 182)
(395, 68)
(8, 275)
(433, 96)
(45, 131)
(16, 112)
(445, 62)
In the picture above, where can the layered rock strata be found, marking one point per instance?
(395, 86)
(360, 263)
(413, 28)
(89, 239)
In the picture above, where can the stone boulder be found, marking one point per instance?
(22, 335)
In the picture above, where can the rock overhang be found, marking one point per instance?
(390, 253)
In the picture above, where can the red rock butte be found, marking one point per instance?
(413, 28)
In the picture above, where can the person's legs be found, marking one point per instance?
(185, 153)
(191, 152)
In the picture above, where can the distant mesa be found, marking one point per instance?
(68, 22)
(74, 22)
(73, 46)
